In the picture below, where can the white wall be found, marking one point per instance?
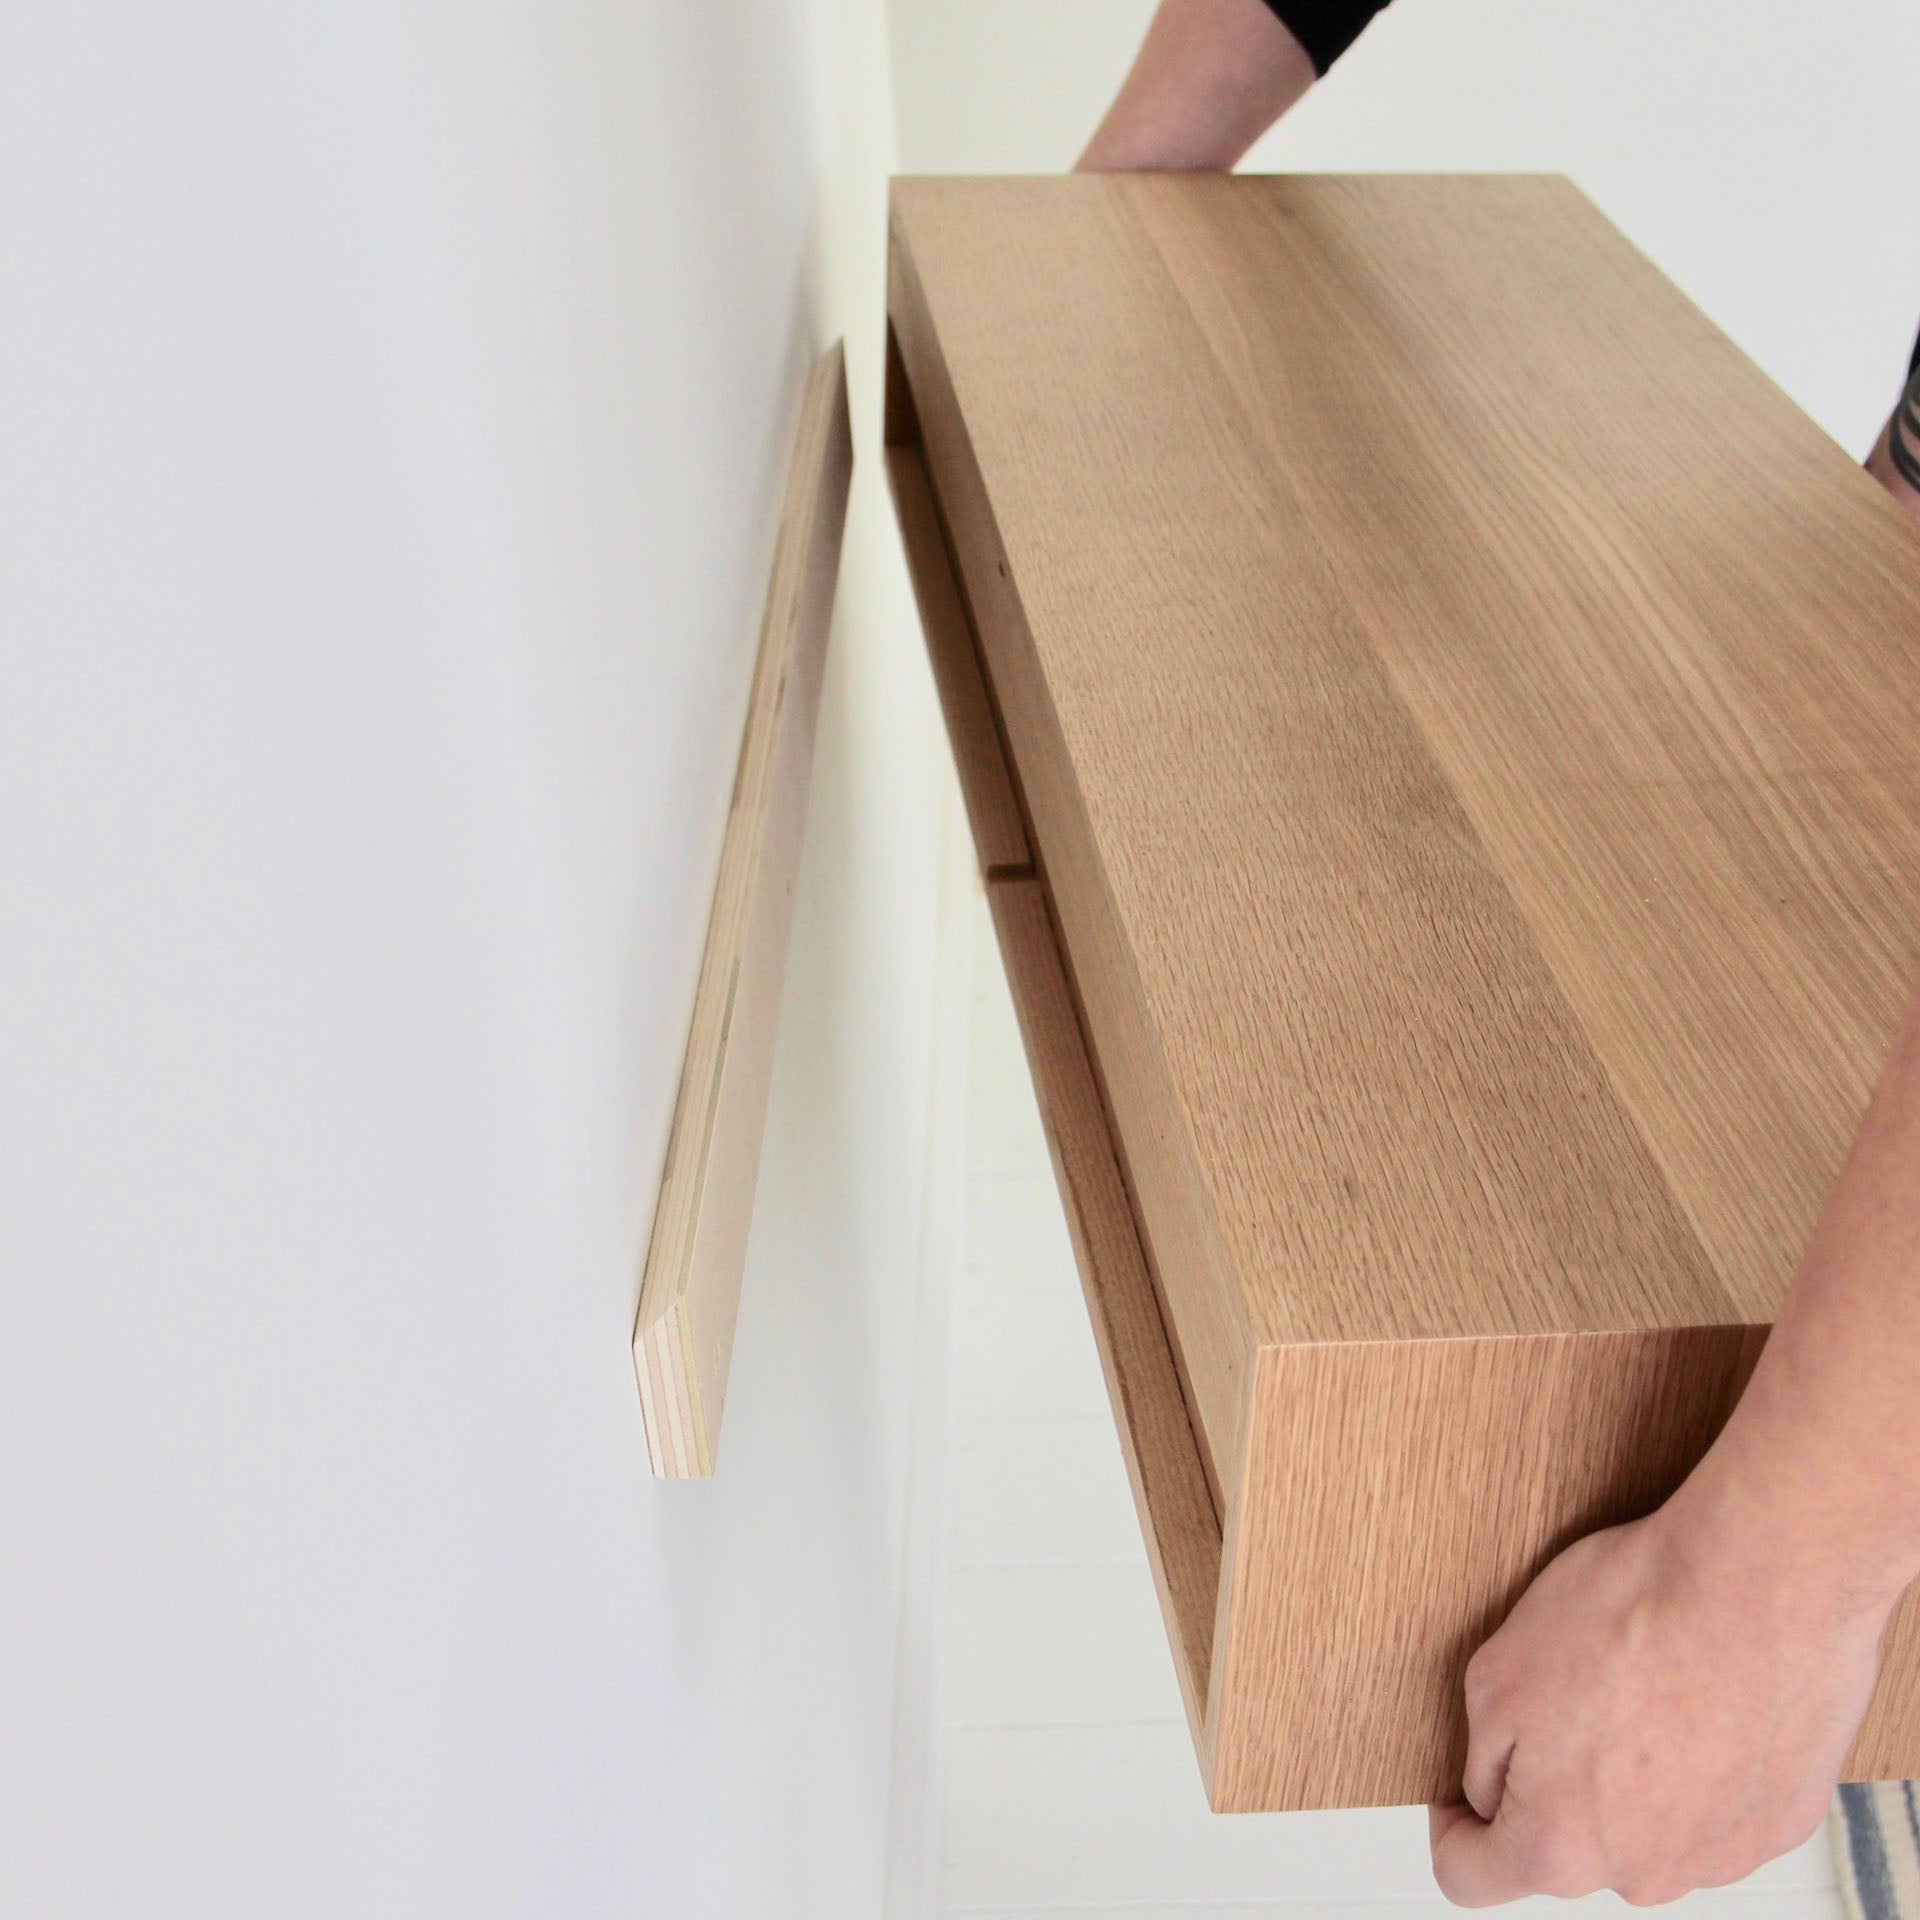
(393, 403)
(1760, 153)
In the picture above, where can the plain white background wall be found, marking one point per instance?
(1759, 152)
(393, 407)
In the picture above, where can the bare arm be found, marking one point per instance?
(1670, 1703)
(1210, 78)
(1824, 1448)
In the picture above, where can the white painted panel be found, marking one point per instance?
(1025, 1352)
(1058, 1646)
(1016, 1232)
(1116, 1813)
(1048, 1493)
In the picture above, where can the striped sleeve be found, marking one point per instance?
(1325, 28)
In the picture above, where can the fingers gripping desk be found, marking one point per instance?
(1440, 733)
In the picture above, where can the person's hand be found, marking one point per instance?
(1666, 1708)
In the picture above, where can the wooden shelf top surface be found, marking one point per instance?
(1495, 712)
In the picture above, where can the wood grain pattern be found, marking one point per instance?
(1485, 1457)
(1722, 745)
(690, 1291)
(1464, 720)
(1176, 1226)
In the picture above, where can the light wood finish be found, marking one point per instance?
(993, 812)
(1467, 727)
(1493, 1454)
(1177, 1227)
(690, 1292)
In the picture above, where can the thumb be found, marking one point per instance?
(1473, 1863)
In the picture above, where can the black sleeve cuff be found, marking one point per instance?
(1325, 28)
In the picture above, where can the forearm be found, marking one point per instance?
(1210, 78)
(1820, 1462)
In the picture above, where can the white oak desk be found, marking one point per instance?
(1443, 736)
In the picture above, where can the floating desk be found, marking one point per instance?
(1442, 734)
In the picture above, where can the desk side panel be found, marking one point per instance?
(1398, 1498)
